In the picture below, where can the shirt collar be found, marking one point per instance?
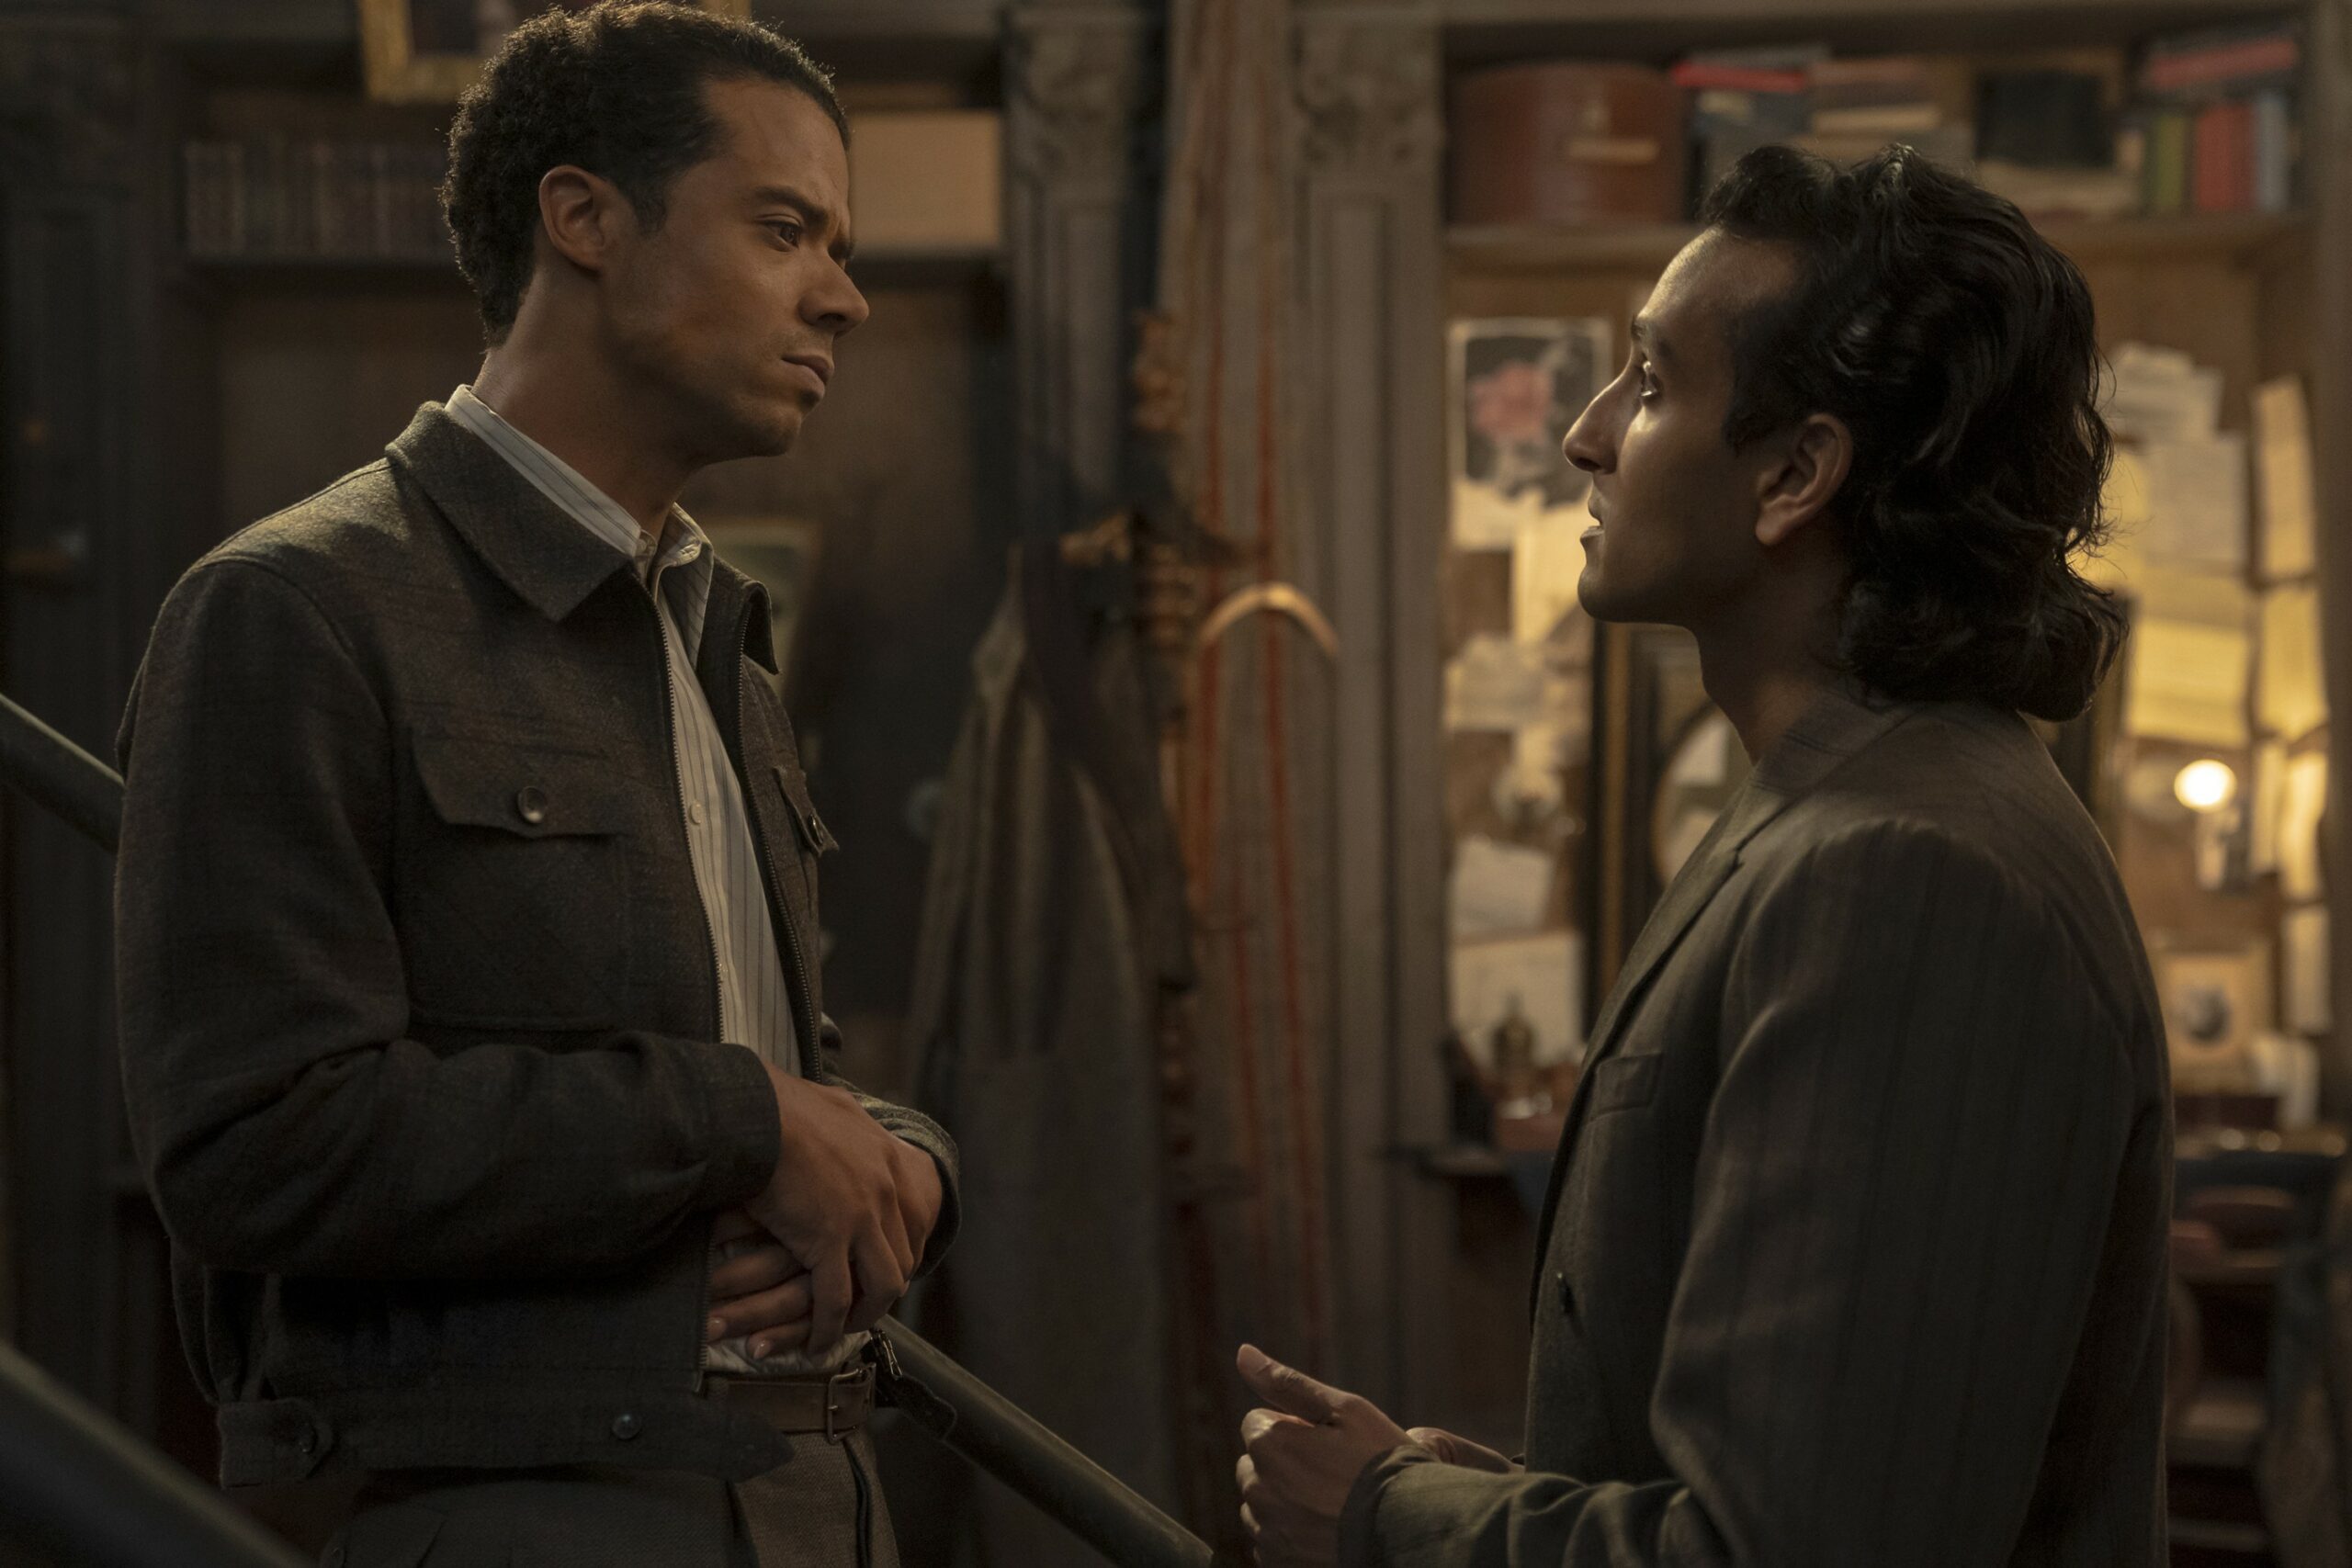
(683, 545)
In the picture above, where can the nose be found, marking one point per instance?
(1592, 442)
(835, 306)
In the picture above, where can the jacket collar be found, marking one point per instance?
(1841, 720)
(533, 545)
(1837, 725)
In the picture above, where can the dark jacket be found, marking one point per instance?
(1855, 1248)
(419, 1012)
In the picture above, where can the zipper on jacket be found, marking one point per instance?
(808, 1046)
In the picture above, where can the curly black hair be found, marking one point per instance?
(616, 90)
(1957, 345)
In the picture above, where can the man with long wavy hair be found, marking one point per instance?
(1854, 1251)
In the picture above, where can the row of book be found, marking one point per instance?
(325, 200)
(2217, 130)
(2206, 123)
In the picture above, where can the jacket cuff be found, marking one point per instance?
(1359, 1543)
(951, 1207)
(745, 1139)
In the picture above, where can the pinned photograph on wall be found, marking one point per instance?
(1517, 384)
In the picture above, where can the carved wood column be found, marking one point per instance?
(1369, 93)
(1079, 83)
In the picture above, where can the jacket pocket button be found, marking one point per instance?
(625, 1426)
(531, 805)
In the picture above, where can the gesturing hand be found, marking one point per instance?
(1301, 1458)
(851, 1202)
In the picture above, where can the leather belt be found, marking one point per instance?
(835, 1405)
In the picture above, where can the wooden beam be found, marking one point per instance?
(2327, 167)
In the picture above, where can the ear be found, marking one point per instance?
(1809, 468)
(583, 215)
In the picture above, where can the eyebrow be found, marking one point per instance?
(1646, 336)
(820, 216)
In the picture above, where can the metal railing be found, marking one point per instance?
(71, 1477)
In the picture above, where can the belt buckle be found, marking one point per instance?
(853, 1377)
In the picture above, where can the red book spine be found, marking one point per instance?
(1737, 78)
(2224, 159)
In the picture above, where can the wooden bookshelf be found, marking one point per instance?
(1513, 248)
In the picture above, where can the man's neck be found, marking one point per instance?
(573, 411)
(1762, 684)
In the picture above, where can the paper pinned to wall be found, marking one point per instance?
(1494, 684)
(2282, 468)
(2196, 502)
(2300, 801)
(2161, 394)
(1499, 889)
(2265, 794)
(2291, 700)
(1546, 563)
(1544, 975)
(2304, 964)
(2188, 683)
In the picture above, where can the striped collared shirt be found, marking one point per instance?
(754, 1003)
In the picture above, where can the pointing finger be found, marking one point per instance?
(1288, 1389)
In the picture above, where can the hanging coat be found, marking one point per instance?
(1053, 929)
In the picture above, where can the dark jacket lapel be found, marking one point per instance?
(1841, 722)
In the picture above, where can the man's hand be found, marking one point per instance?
(848, 1201)
(1455, 1449)
(759, 1292)
(1301, 1458)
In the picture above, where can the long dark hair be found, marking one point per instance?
(1957, 344)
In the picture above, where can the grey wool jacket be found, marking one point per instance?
(1855, 1250)
(419, 1012)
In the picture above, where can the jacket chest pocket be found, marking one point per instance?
(811, 836)
(512, 889)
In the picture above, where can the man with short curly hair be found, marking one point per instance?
(467, 897)
(1854, 1251)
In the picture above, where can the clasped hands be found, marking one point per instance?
(1303, 1452)
(842, 1221)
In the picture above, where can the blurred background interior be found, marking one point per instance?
(1240, 821)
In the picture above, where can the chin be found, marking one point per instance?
(767, 432)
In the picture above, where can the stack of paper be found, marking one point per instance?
(2192, 474)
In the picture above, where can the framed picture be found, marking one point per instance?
(1517, 384)
(781, 553)
(2215, 1001)
(427, 52)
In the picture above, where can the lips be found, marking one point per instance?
(822, 368)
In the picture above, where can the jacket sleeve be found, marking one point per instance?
(1904, 1192)
(285, 1124)
(920, 1130)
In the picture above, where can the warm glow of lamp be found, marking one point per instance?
(2205, 784)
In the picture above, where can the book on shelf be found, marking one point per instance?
(2045, 119)
(318, 199)
(2221, 162)
(2196, 122)
(2216, 62)
(1891, 121)
(2274, 151)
